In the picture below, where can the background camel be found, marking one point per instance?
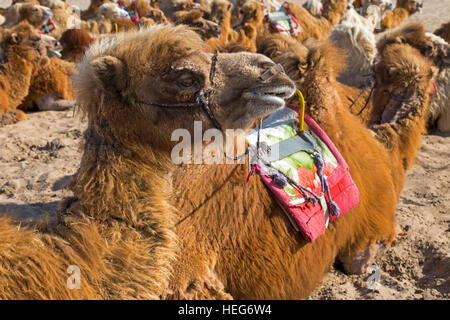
(438, 51)
(360, 47)
(21, 49)
(74, 43)
(314, 7)
(194, 19)
(401, 100)
(35, 14)
(253, 16)
(50, 87)
(444, 32)
(404, 9)
(370, 21)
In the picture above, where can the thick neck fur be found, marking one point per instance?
(402, 124)
(121, 200)
(123, 177)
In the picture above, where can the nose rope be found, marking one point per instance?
(370, 82)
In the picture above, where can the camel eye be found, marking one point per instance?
(199, 24)
(187, 82)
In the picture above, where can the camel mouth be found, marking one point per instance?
(273, 97)
(282, 92)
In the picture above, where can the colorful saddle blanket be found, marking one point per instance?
(284, 21)
(303, 170)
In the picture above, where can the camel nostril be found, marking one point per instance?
(272, 70)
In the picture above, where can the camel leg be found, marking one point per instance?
(49, 102)
(11, 117)
(357, 262)
(194, 277)
(443, 122)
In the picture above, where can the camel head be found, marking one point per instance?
(156, 15)
(334, 10)
(312, 57)
(414, 35)
(36, 15)
(276, 44)
(138, 88)
(219, 10)
(111, 11)
(412, 6)
(360, 46)
(25, 42)
(194, 18)
(403, 74)
(75, 39)
(252, 12)
(384, 5)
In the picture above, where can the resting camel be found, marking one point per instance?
(34, 14)
(50, 87)
(359, 48)
(140, 226)
(194, 18)
(444, 31)
(314, 7)
(254, 28)
(401, 104)
(438, 51)
(404, 9)
(74, 43)
(22, 51)
(384, 5)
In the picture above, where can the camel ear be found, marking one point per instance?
(229, 6)
(14, 38)
(391, 71)
(109, 72)
(399, 39)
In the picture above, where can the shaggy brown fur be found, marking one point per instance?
(395, 17)
(219, 10)
(145, 23)
(156, 15)
(414, 35)
(230, 39)
(21, 47)
(74, 43)
(194, 18)
(437, 51)
(444, 31)
(34, 14)
(124, 25)
(253, 14)
(91, 12)
(278, 44)
(52, 78)
(401, 104)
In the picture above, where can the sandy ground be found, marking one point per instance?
(37, 156)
